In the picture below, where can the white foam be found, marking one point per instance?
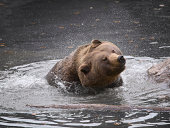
(137, 88)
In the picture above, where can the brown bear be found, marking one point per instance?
(96, 65)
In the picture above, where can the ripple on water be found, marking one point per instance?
(26, 84)
(69, 118)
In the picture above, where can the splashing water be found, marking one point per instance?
(26, 84)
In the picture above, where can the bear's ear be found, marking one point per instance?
(85, 68)
(95, 43)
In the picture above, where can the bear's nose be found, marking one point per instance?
(121, 59)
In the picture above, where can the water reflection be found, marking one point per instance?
(85, 118)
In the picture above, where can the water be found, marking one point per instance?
(26, 85)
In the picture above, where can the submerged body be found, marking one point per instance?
(95, 65)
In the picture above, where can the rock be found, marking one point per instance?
(161, 72)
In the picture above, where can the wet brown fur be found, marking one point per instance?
(84, 65)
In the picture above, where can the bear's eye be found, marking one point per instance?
(113, 51)
(104, 58)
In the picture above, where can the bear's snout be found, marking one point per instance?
(121, 60)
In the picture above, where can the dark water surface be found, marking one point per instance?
(34, 34)
(36, 30)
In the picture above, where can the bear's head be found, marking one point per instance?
(101, 64)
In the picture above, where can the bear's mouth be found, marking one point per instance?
(118, 68)
(115, 70)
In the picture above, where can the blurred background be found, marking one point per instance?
(36, 30)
